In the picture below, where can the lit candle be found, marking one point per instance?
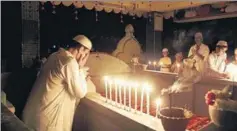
(120, 94)
(124, 95)
(154, 64)
(148, 89)
(110, 91)
(135, 106)
(130, 95)
(142, 95)
(106, 87)
(158, 103)
(116, 91)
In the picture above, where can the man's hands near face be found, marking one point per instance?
(82, 60)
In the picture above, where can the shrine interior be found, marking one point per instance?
(153, 66)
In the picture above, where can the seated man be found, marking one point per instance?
(216, 62)
(177, 66)
(165, 61)
(231, 68)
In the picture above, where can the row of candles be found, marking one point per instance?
(160, 64)
(120, 86)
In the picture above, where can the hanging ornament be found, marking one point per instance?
(134, 8)
(76, 12)
(121, 15)
(96, 14)
(54, 12)
(149, 11)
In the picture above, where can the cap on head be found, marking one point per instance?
(222, 43)
(83, 40)
(165, 50)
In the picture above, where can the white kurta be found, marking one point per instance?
(216, 65)
(52, 101)
(203, 50)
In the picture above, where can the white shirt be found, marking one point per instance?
(216, 65)
(203, 50)
(52, 101)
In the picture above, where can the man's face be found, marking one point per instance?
(178, 58)
(165, 53)
(220, 51)
(82, 55)
(198, 39)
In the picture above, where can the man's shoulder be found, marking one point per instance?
(63, 58)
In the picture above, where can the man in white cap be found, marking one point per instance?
(199, 52)
(61, 82)
(216, 63)
(165, 61)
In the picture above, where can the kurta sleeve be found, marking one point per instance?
(190, 51)
(75, 79)
(206, 53)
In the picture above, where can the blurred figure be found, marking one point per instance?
(177, 66)
(199, 52)
(165, 61)
(59, 85)
(186, 79)
(216, 63)
(231, 68)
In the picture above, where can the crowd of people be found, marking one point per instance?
(214, 64)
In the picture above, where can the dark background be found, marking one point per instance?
(58, 29)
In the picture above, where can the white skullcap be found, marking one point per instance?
(165, 50)
(222, 43)
(83, 40)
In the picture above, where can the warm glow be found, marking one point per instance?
(149, 63)
(161, 63)
(158, 102)
(147, 87)
(154, 63)
(178, 65)
(106, 78)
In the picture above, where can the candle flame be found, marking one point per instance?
(154, 63)
(106, 78)
(147, 87)
(158, 101)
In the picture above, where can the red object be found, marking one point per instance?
(210, 98)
